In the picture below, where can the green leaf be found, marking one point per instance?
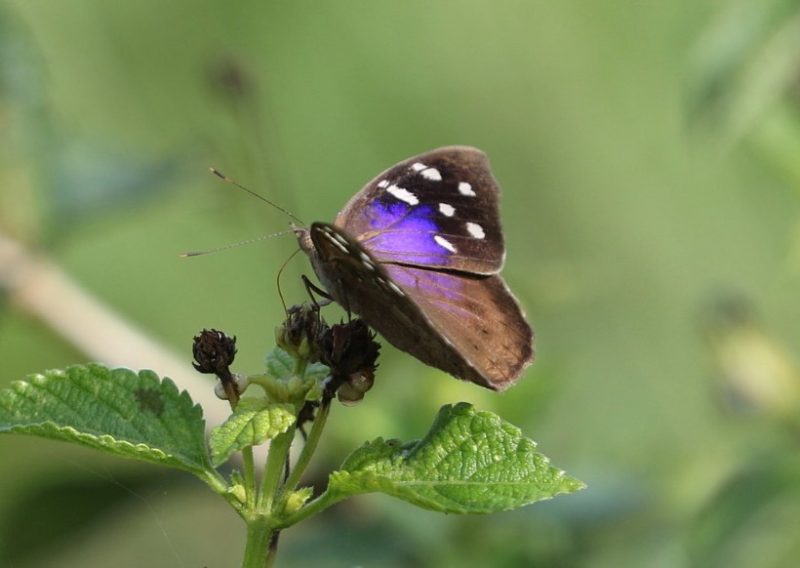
(469, 462)
(118, 411)
(316, 371)
(253, 422)
(280, 364)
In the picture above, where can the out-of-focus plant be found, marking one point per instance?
(757, 382)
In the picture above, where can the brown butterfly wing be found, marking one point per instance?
(468, 326)
(477, 316)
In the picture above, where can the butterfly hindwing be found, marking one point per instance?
(468, 326)
(477, 317)
(437, 210)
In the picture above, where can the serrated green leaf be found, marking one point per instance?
(118, 411)
(280, 364)
(469, 462)
(253, 422)
(316, 371)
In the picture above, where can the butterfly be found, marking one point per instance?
(417, 254)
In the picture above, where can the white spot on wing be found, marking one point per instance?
(340, 239)
(418, 166)
(366, 261)
(337, 241)
(444, 243)
(431, 174)
(465, 188)
(403, 194)
(446, 209)
(396, 288)
(383, 184)
(475, 230)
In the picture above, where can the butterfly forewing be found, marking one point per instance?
(437, 210)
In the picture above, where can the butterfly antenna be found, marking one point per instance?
(234, 245)
(278, 280)
(235, 183)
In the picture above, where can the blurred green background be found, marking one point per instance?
(649, 154)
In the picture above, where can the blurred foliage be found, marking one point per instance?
(648, 158)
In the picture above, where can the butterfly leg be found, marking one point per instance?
(311, 289)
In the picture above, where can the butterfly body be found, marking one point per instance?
(416, 253)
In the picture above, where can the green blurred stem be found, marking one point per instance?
(260, 380)
(308, 449)
(272, 548)
(257, 553)
(249, 478)
(278, 454)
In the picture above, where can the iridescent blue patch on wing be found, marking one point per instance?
(432, 285)
(389, 215)
(404, 234)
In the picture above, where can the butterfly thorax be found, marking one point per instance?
(340, 263)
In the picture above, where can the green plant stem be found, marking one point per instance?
(249, 477)
(310, 446)
(257, 552)
(278, 454)
(214, 480)
(272, 549)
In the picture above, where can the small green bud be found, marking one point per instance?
(238, 492)
(297, 499)
(298, 334)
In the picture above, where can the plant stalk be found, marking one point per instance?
(270, 483)
(257, 553)
(310, 446)
(249, 477)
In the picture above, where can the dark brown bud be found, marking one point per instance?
(350, 351)
(213, 353)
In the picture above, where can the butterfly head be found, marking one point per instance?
(303, 238)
